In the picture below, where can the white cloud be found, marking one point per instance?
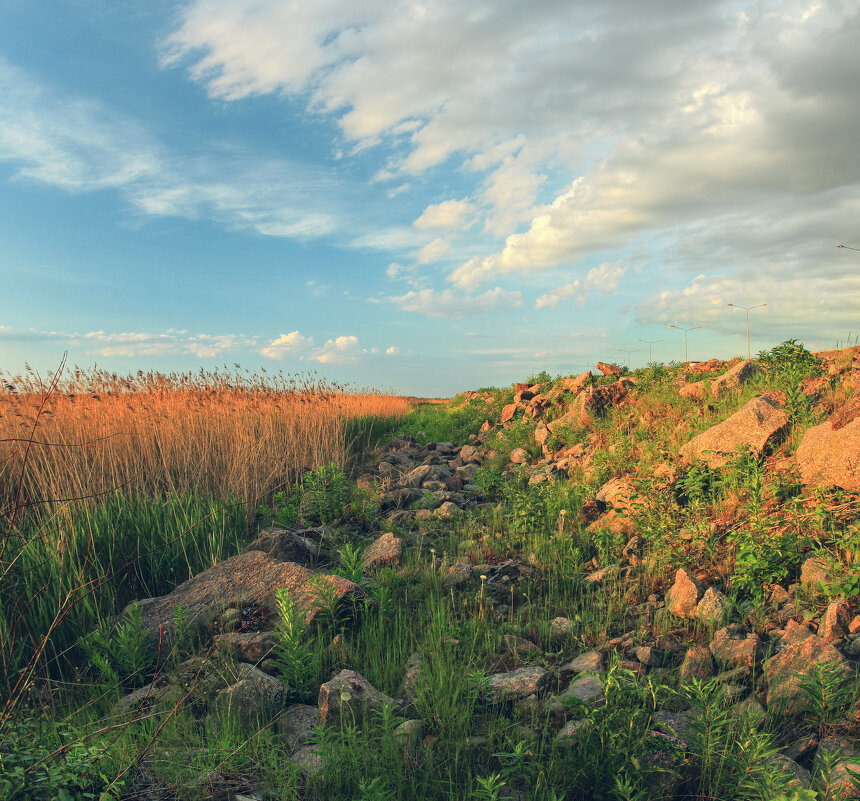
(448, 303)
(449, 215)
(604, 278)
(293, 343)
(343, 350)
(433, 251)
(392, 350)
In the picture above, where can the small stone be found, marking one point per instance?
(253, 697)
(799, 777)
(383, 552)
(297, 725)
(519, 645)
(309, 760)
(458, 574)
(752, 710)
(814, 572)
(588, 689)
(350, 694)
(589, 662)
(519, 456)
(571, 728)
(561, 627)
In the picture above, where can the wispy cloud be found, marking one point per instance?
(604, 278)
(449, 303)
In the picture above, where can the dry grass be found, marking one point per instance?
(219, 433)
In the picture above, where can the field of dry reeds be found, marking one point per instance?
(114, 488)
(219, 434)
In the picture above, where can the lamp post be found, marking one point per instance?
(649, 343)
(628, 352)
(681, 328)
(748, 309)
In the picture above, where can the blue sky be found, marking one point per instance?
(426, 197)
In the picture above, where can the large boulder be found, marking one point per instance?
(735, 378)
(787, 671)
(294, 545)
(755, 425)
(351, 697)
(608, 369)
(249, 579)
(830, 457)
(617, 493)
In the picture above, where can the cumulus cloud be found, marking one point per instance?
(287, 344)
(449, 215)
(448, 303)
(392, 350)
(343, 350)
(604, 278)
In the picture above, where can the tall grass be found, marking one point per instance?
(219, 434)
(116, 488)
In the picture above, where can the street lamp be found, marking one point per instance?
(649, 343)
(681, 328)
(628, 352)
(748, 309)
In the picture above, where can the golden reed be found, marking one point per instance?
(219, 433)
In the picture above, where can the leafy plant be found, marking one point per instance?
(828, 693)
(121, 654)
(292, 654)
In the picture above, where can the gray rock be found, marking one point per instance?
(309, 761)
(714, 608)
(409, 733)
(516, 684)
(799, 777)
(352, 697)
(297, 725)
(735, 648)
(561, 627)
(254, 697)
(585, 688)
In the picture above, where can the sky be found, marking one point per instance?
(424, 197)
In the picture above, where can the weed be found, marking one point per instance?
(292, 654)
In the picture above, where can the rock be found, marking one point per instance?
(561, 627)
(417, 476)
(834, 622)
(814, 572)
(383, 552)
(249, 577)
(678, 723)
(508, 412)
(786, 671)
(829, 457)
(648, 656)
(845, 414)
(798, 776)
(516, 684)
(253, 698)
(519, 456)
(714, 608)
(409, 733)
(576, 385)
(351, 696)
(288, 546)
(399, 497)
(617, 493)
(682, 598)
(694, 390)
(589, 662)
(698, 664)
(839, 782)
(571, 728)
(518, 645)
(309, 761)
(585, 688)
(757, 424)
(140, 700)
(596, 401)
(458, 574)
(608, 369)
(752, 710)
(735, 648)
(541, 434)
(246, 646)
(735, 378)
(448, 510)
(297, 725)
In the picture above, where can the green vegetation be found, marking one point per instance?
(534, 546)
